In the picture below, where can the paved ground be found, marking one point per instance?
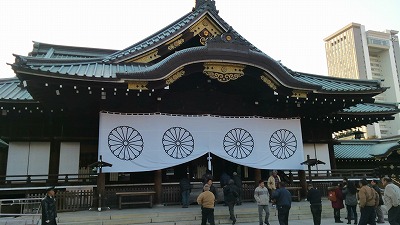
(176, 209)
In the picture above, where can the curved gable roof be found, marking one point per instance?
(216, 50)
(97, 64)
(202, 8)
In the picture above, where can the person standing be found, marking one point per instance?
(283, 200)
(224, 180)
(337, 202)
(368, 199)
(185, 188)
(230, 196)
(239, 184)
(212, 188)
(273, 182)
(379, 212)
(350, 200)
(314, 197)
(206, 200)
(261, 195)
(49, 211)
(208, 175)
(391, 199)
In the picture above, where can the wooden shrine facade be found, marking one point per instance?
(197, 65)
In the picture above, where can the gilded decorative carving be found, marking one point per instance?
(147, 57)
(299, 94)
(175, 76)
(176, 42)
(223, 72)
(269, 81)
(204, 28)
(137, 85)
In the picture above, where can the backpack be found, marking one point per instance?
(332, 196)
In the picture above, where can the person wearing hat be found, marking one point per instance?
(49, 212)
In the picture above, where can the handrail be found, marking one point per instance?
(15, 180)
(90, 178)
(32, 204)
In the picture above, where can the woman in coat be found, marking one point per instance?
(338, 204)
(350, 193)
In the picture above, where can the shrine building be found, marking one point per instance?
(192, 96)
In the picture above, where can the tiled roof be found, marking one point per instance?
(157, 37)
(11, 89)
(344, 151)
(362, 149)
(337, 84)
(51, 51)
(368, 107)
(3, 144)
(174, 28)
(99, 70)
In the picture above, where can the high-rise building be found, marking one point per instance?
(352, 52)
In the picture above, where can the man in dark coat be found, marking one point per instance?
(224, 179)
(283, 200)
(239, 185)
(230, 196)
(314, 197)
(185, 187)
(49, 212)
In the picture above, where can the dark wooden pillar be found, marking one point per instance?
(54, 162)
(101, 186)
(158, 186)
(303, 182)
(257, 176)
(332, 156)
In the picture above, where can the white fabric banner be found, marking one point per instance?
(133, 143)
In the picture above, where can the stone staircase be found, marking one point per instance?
(175, 215)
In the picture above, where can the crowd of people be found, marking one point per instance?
(365, 194)
(276, 193)
(349, 194)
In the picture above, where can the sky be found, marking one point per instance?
(288, 30)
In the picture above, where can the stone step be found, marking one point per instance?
(175, 215)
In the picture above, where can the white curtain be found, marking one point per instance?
(69, 159)
(132, 142)
(28, 158)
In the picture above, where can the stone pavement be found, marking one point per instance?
(246, 214)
